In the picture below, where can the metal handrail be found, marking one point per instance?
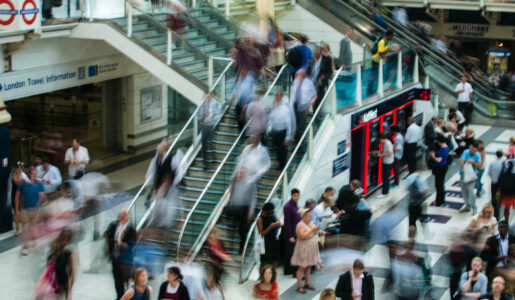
(208, 185)
(196, 247)
(190, 120)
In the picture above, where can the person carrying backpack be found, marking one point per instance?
(379, 50)
(507, 189)
(299, 56)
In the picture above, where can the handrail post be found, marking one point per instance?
(223, 89)
(195, 126)
(194, 3)
(334, 108)
(359, 95)
(426, 82)
(168, 47)
(310, 142)
(415, 69)
(210, 72)
(285, 187)
(399, 70)
(380, 79)
(129, 20)
(436, 104)
(227, 8)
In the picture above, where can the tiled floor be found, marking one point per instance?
(94, 280)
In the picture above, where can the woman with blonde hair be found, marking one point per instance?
(327, 294)
(484, 223)
(306, 253)
(140, 290)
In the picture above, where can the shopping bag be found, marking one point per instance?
(469, 174)
(260, 245)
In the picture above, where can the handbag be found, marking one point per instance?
(260, 245)
(469, 174)
(47, 284)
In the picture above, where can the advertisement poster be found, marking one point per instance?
(151, 106)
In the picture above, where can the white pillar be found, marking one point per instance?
(380, 79)
(168, 47)
(129, 20)
(415, 69)
(359, 95)
(399, 70)
(210, 72)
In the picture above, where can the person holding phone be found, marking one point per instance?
(473, 283)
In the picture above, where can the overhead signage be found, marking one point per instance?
(37, 81)
(388, 105)
(474, 30)
(19, 14)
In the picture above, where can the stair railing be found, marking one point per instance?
(190, 129)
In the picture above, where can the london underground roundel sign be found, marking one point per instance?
(7, 9)
(29, 8)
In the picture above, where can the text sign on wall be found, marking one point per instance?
(18, 84)
(340, 164)
(341, 147)
(20, 14)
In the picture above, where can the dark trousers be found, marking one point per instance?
(494, 187)
(300, 117)
(411, 157)
(372, 80)
(385, 177)
(288, 253)
(240, 214)
(278, 138)
(440, 172)
(414, 213)
(396, 170)
(207, 137)
(464, 108)
(240, 115)
(118, 277)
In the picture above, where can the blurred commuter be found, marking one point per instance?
(464, 92)
(408, 277)
(299, 56)
(216, 254)
(291, 218)
(510, 152)
(251, 165)
(212, 287)
(345, 55)
(175, 19)
(16, 178)
(49, 175)
(268, 226)
(140, 290)
(481, 167)
(400, 15)
(325, 75)
(398, 152)
(120, 239)
(256, 114)
(173, 288)
(77, 158)
(281, 122)
(494, 172)
(304, 95)
(440, 167)
(411, 138)
(277, 57)
(209, 114)
(64, 265)
(28, 200)
(417, 193)
(473, 283)
(497, 249)
(306, 253)
(267, 287)
(378, 19)
(460, 256)
(497, 293)
(355, 283)
(472, 158)
(507, 189)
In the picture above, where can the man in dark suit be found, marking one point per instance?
(430, 134)
(120, 238)
(345, 55)
(355, 283)
(497, 247)
(346, 196)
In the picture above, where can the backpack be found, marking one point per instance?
(294, 57)
(507, 183)
(375, 45)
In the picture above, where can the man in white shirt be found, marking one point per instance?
(398, 152)
(323, 214)
(387, 164)
(209, 113)
(49, 175)
(411, 138)
(281, 127)
(494, 171)
(304, 96)
(464, 91)
(77, 158)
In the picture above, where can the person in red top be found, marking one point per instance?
(216, 254)
(267, 288)
(510, 152)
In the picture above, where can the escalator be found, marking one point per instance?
(443, 72)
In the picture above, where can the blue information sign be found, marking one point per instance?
(340, 164)
(341, 147)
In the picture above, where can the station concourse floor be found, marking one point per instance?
(94, 280)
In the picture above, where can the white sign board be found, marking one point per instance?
(20, 14)
(18, 84)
